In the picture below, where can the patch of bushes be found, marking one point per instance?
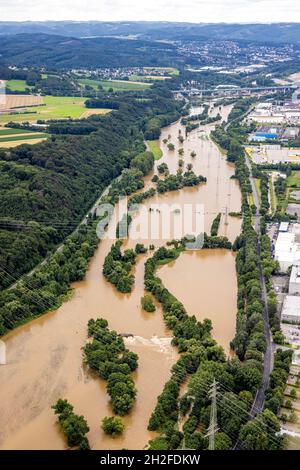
(117, 267)
(73, 426)
(147, 303)
(113, 426)
(112, 361)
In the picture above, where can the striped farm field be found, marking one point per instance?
(90, 112)
(13, 137)
(20, 101)
(45, 108)
(16, 143)
(9, 131)
(23, 137)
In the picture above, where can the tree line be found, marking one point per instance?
(73, 426)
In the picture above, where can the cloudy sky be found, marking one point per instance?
(152, 10)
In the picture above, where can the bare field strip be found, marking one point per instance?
(15, 143)
(90, 112)
(19, 101)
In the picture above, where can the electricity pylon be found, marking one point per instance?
(213, 425)
(226, 215)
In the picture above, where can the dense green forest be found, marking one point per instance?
(53, 51)
(46, 189)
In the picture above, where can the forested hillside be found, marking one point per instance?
(59, 52)
(46, 189)
(285, 32)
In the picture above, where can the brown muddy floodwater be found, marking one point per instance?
(44, 357)
(207, 289)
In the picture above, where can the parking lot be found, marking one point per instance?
(292, 333)
(273, 154)
(293, 209)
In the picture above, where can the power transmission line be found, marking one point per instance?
(213, 426)
(235, 409)
(41, 302)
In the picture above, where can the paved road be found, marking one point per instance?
(262, 88)
(259, 400)
(258, 403)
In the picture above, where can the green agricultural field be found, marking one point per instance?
(7, 131)
(55, 107)
(13, 137)
(17, 85)
(155, 148)
(116, 85)
(22, 137)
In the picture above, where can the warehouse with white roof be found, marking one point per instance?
(291, 309)
(287, 251)
(294, 282)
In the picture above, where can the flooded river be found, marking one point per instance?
(44, 357)
(207, 289)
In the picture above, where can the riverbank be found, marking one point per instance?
(44, 357)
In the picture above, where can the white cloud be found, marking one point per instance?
(152, 10)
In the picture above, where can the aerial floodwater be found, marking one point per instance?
(44, 358)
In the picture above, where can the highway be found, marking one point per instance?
(292, 86)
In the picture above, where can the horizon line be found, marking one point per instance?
(154, 21)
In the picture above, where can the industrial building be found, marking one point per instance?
(295, 229)
(291, 309)
(289, 113)
(284, 134)
(273, 153)
(267, 132)
(287, 250)
(294, 283)
(290, 133)
(283, 227)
